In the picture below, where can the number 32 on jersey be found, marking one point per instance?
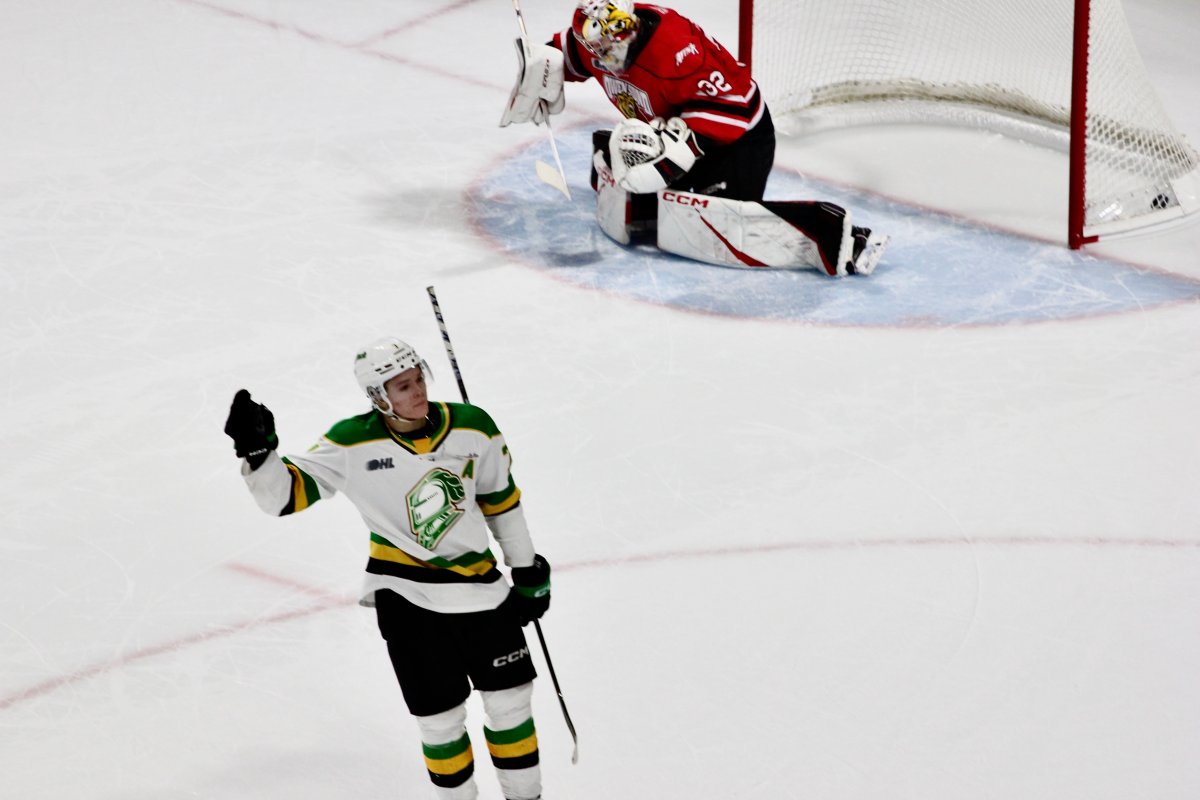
(716, 84)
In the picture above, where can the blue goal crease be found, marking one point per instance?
(936, 272)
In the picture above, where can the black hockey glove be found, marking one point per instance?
(530, 594)
(251, 425)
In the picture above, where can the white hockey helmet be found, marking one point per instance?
(379, 362)
(606, 29)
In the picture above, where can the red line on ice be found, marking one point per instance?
(327, 601)
(360, 47)
(409, 24)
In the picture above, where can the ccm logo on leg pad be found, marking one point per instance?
(684, 199)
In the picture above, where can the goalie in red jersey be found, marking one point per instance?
(656, 65)
(695, 123)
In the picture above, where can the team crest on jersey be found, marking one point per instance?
(433, 506)
(627, 97)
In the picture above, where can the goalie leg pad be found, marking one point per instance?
(735, 233)
(599, 148)
(613, 207)
(826, 224)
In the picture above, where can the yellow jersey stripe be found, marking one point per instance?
(492, 509)
(398, 556)
(298, 493)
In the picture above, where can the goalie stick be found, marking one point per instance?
(545, 172)
(462, 390)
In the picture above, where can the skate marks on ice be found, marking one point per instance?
(938, 271)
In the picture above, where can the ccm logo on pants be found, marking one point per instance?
(511, 658)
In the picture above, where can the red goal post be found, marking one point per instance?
(1063, 73)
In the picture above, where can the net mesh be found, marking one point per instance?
(1002, 64)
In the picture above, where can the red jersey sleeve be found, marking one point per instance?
(574, 63)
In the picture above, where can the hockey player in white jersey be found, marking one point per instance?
(431, 480)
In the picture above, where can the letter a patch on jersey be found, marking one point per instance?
(433, 506)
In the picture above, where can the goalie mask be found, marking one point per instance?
(379, 362)
(606, 30)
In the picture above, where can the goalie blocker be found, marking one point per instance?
(538, 91)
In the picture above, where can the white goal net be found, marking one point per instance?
(1006, 65)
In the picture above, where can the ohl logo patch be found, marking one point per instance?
(380, 463)
(433, 506)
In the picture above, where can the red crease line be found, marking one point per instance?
(91, 671)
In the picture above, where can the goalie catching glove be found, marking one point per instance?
(647, 157)
(538, 92)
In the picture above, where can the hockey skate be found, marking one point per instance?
(868, 249)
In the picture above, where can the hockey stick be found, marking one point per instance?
(462, 390)
(544, 171)
(437, 312)
(537, 625)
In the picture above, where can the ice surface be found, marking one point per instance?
(932, 533)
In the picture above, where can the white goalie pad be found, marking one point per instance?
(735, 233)
(538, 92)
(612, 203)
